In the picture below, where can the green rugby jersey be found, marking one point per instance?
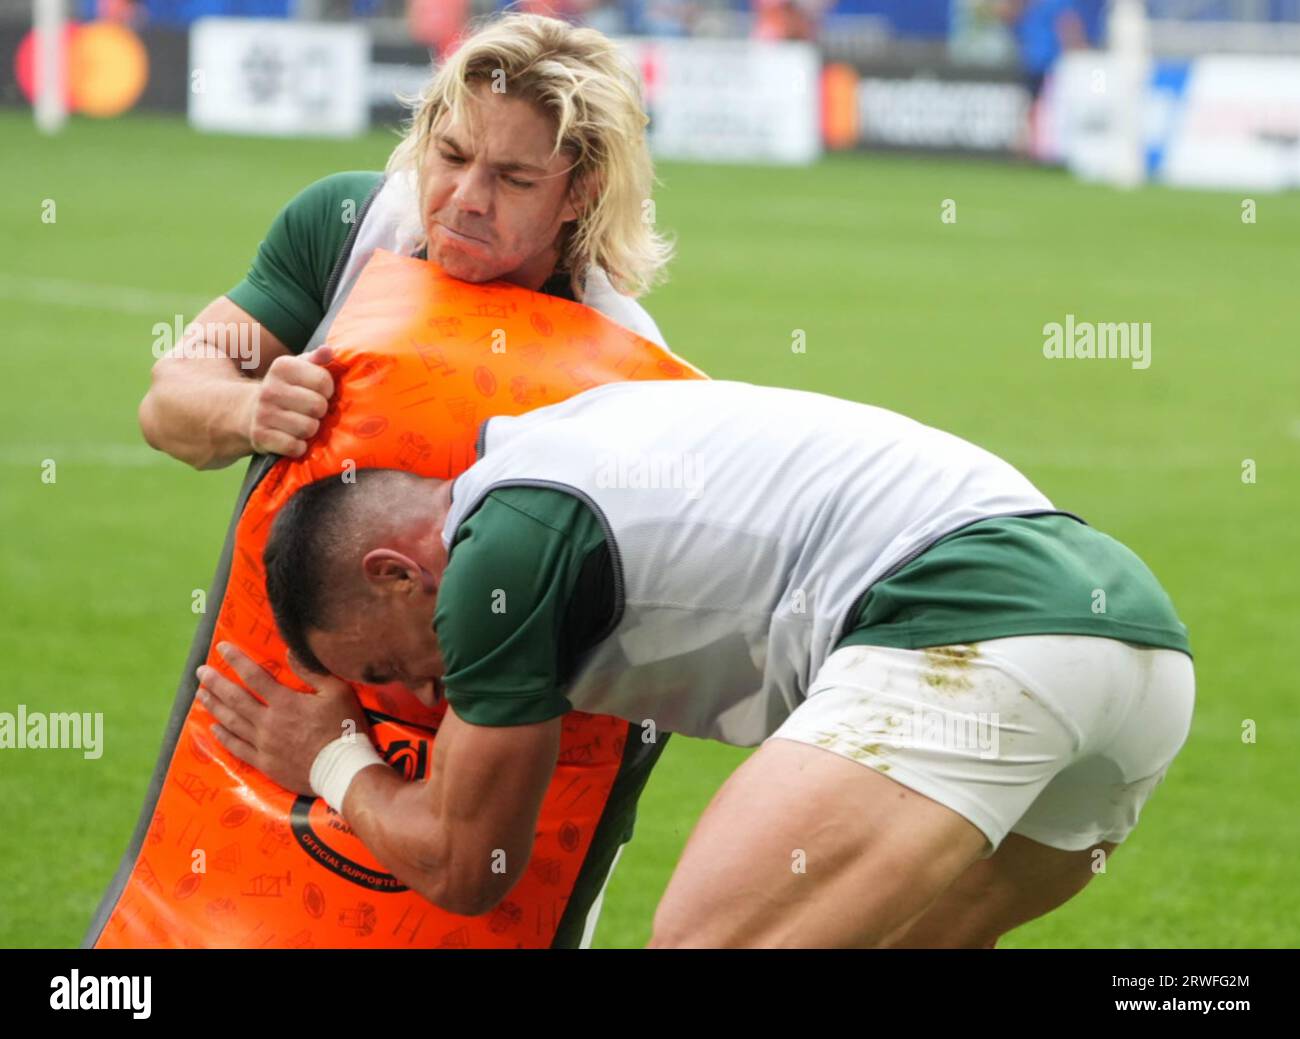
(529, 586)
(1018, 575)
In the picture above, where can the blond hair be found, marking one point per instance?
(579, 78)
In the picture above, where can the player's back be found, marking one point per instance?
(744, 522)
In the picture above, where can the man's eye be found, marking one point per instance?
(455, 160)
(515, 182)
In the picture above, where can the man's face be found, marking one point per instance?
(389, 638)
(495, 201)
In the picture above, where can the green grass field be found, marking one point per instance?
(941, 321)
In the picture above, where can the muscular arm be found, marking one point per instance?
(212, 406)
(496, 751)
(233, 389)
(462, 839)
(198, 408)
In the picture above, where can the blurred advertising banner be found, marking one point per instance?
(943, 108)
(730, 100)
(105, 67)
(279, 78)
(945, 114)
(1219, 121)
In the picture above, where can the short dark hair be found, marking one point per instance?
(306, 552)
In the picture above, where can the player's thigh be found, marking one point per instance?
(876, 792)
(804, 847)
(1131, 706)
(1023, 880)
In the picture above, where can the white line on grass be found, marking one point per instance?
(119, 456)
(124, 299)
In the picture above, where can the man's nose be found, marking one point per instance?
(473, 192)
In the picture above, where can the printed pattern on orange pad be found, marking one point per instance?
(421, 359)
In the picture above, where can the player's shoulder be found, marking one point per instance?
(530, 532)
(520, 543)
(545, 508)
(334, 195)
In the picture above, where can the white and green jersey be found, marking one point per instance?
(743, 523)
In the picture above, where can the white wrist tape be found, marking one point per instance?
(337, 765)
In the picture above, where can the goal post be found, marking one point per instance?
(49, 101)
(1128, 37)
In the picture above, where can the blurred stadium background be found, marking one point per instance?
(919, 185)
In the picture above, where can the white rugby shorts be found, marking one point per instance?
(1059, 738)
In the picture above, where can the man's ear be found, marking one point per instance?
(388, 570)
(582, 195)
